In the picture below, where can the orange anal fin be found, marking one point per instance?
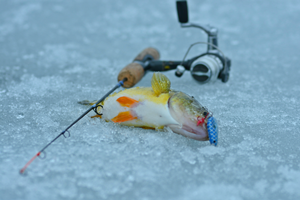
(126, 101)
(123, 117)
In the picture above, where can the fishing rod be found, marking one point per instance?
(93, 107)
(127, 77)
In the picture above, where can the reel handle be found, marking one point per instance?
(134, 71)
(182, 11)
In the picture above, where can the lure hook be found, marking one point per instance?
(202, 120)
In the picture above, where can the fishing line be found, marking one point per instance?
(93, 107)
(210, 44)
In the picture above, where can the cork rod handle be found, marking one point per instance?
(134, 72)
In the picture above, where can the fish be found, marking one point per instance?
(158, 107)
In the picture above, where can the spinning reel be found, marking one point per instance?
(204, 68)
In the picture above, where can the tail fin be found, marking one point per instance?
(86, 102)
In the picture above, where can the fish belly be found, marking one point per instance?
(138, 107)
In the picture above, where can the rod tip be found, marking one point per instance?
(22, 172)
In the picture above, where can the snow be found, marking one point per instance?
(56, 53)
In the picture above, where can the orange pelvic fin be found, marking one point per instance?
(126, 101)
(100, 116)
(123, 117)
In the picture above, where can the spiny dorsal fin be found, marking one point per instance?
(160, 83)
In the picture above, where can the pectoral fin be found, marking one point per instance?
(123, 117)
(126, 101)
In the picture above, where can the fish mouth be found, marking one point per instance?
(185, 130)
(199, 133)
(207, 131)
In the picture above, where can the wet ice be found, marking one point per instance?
(54, 54)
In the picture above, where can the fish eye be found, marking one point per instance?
(205, 113)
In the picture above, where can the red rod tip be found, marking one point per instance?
(28, 163)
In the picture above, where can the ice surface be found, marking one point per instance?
(55, 53)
